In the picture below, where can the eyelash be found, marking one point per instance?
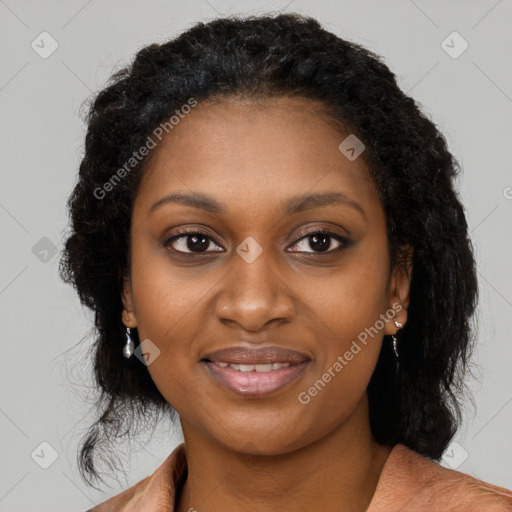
(184, 233)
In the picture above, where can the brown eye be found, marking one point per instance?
(320, 241)
(190, 242)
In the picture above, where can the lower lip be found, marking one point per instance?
(255, 384)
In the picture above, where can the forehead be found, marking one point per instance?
(251, 152)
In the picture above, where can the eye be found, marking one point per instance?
(190, 241)
(321, 240)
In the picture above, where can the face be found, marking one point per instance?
(257, 264)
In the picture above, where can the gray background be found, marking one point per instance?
(469, 98)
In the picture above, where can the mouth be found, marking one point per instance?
(250, 382)
(261, 368)
(254, 373)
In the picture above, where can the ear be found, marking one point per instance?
(129, 318)
(399, 289)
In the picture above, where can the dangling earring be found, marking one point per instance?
(128, 349)
(393, 337)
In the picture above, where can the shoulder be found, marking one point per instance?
(155, 492)
(465, 493)
(418, 483)
(122, 499)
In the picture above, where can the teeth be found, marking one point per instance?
(254, 367)
(264, 367)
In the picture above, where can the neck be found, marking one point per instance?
(337, 472)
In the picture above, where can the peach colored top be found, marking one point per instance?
(408, 482)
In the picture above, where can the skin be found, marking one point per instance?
(269, 453)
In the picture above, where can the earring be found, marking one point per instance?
(393, 337)
(129, 346)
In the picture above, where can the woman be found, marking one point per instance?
(266, 229)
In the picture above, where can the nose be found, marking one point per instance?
(253, 295)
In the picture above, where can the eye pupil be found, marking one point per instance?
(322, 246)
(194, 245)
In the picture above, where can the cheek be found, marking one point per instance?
(349, 338)
(169, 310)
(349, 310)
(166, 296)
(169, 305)
(350, 298)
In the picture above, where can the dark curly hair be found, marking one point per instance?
(282, 55)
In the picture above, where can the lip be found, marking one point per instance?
(261, 355)
(253, 384)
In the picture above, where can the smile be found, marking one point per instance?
(253, 367)
(255, 380)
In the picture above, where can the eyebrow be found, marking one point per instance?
(293, 205)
